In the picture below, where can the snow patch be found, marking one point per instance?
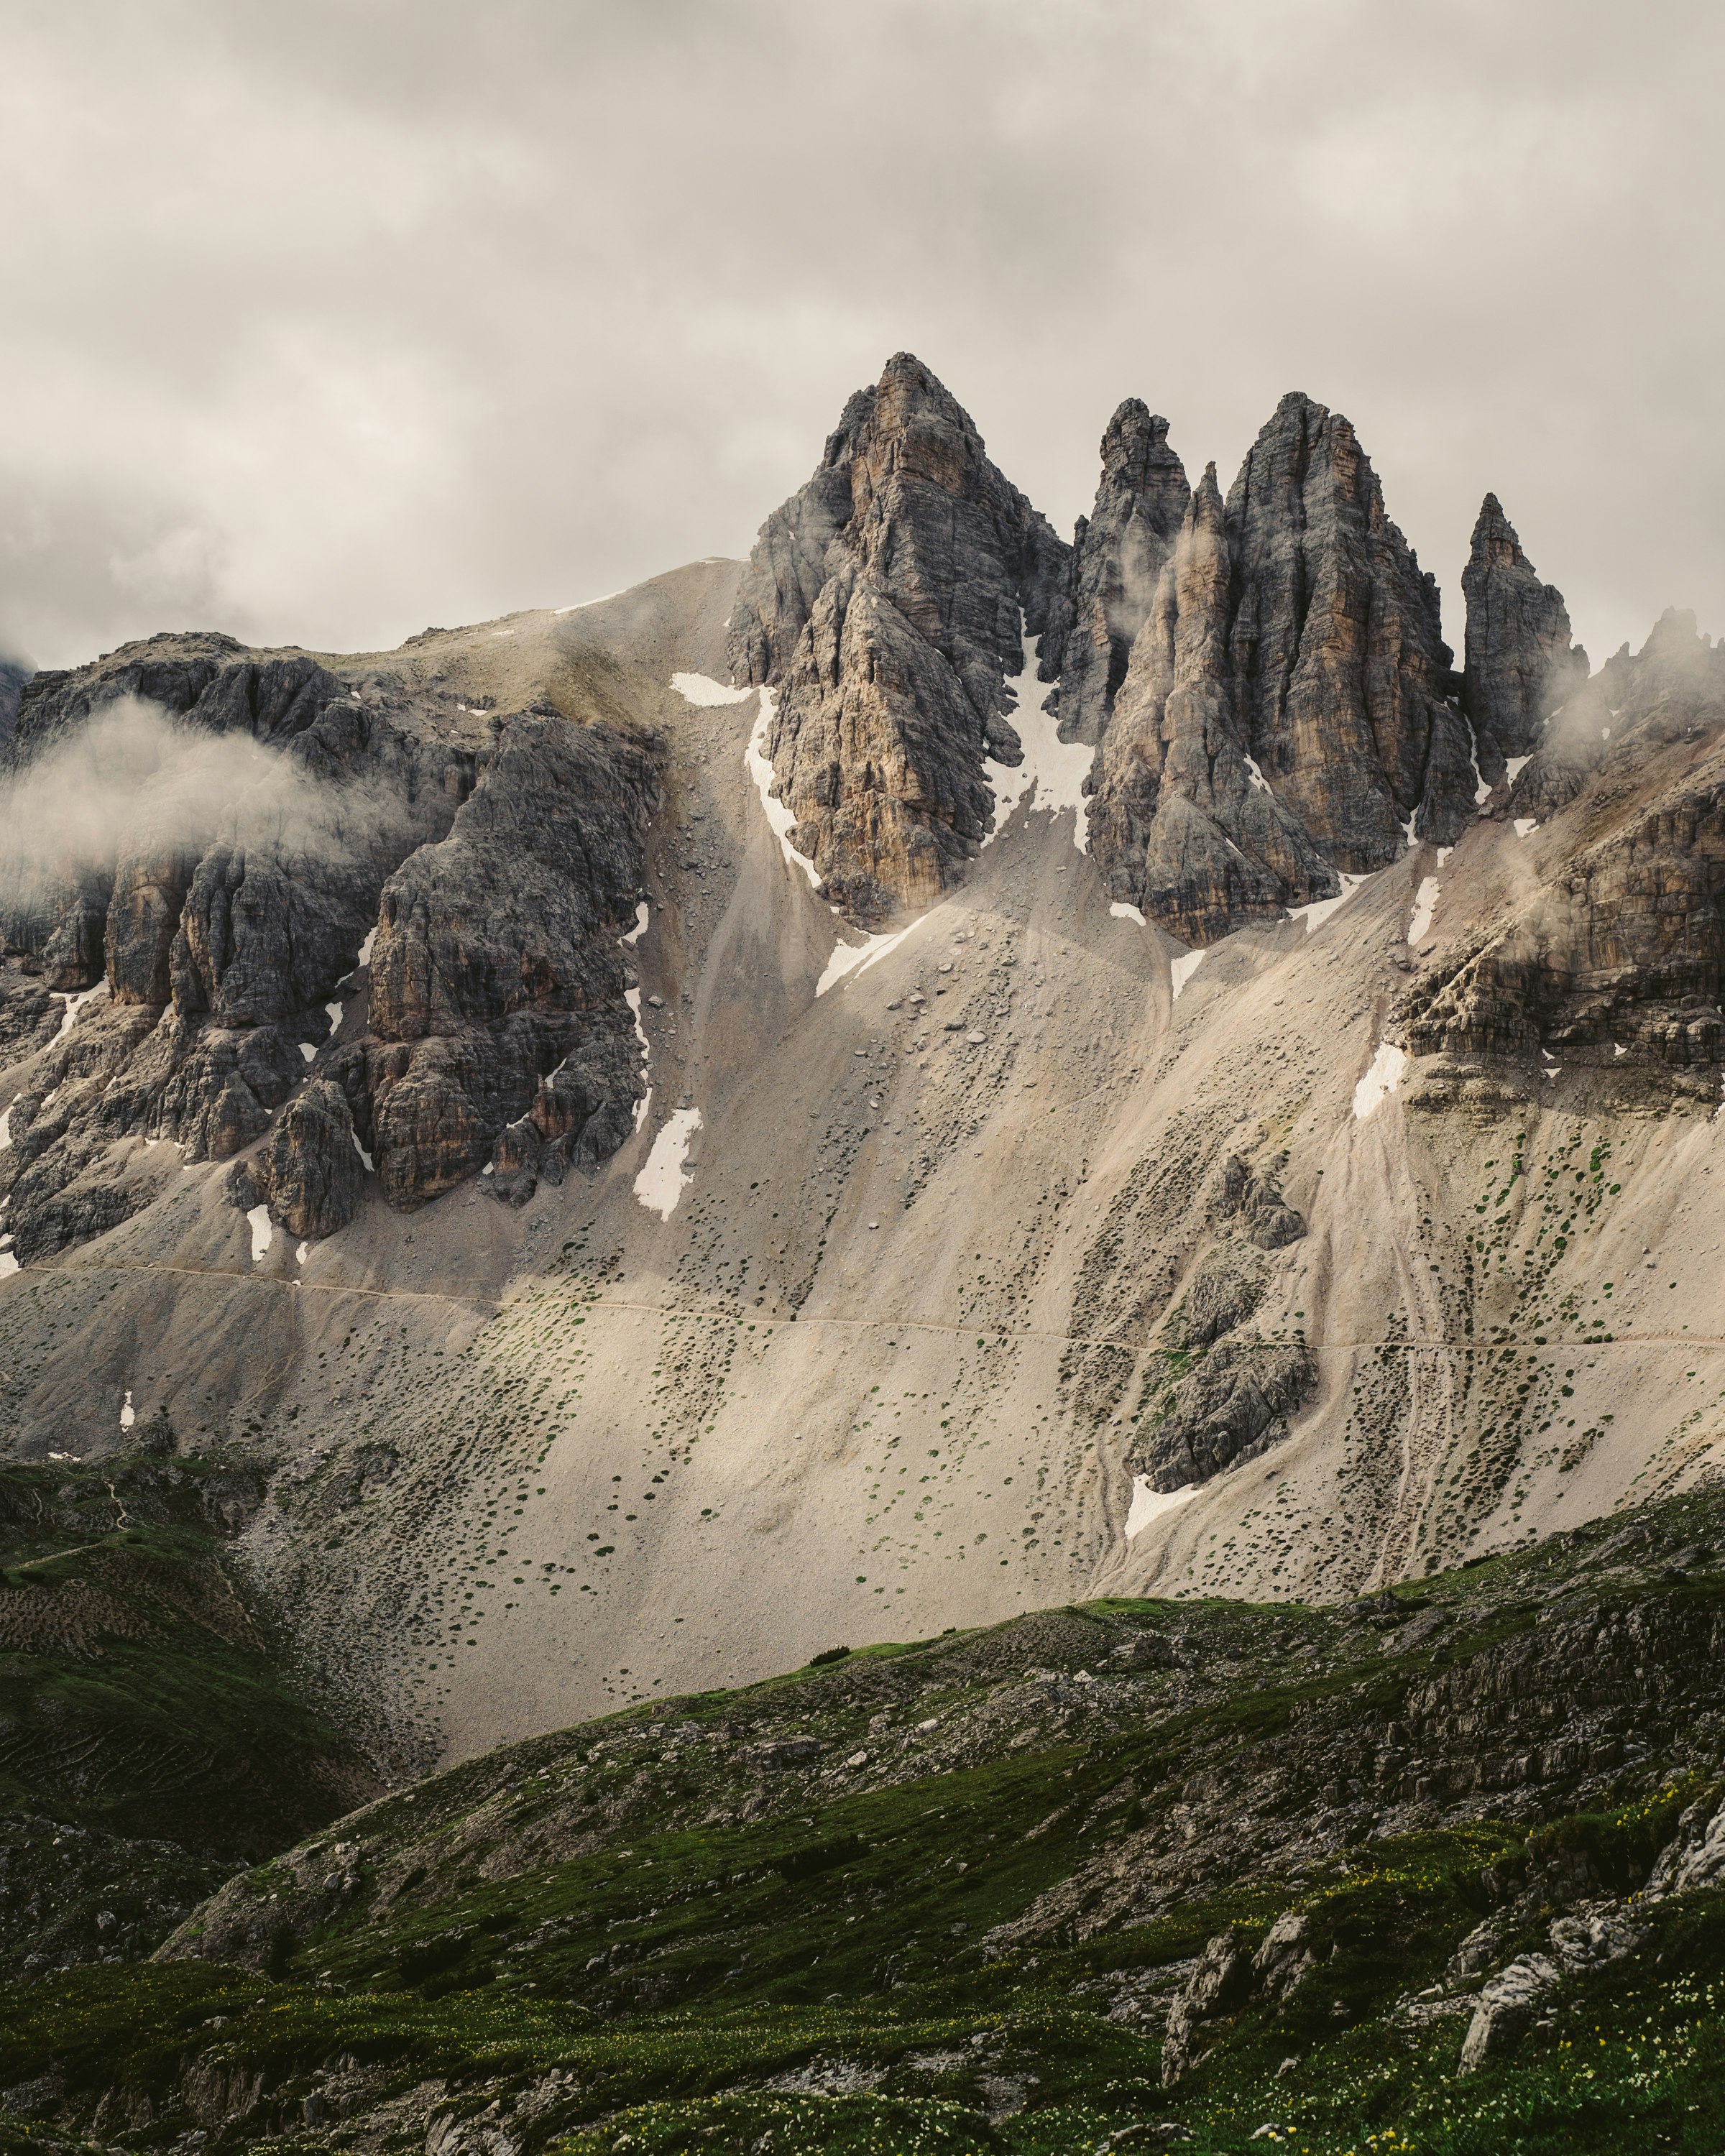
(1482, 792)
(1148, 1504)
(778, 814)
(1321, 909)
(702, 689)
(1121, 911)
(308, 1049)
(8, 1265)
(263, 1234)
(858, 957)
(582, 605)
(1388, 1069)
(1604, 733)
(1425, 900)
(1515, 766)
(1181, 970)
(1055, 769)
(75, 1003)
(302, 1253)
(659, 1184)
(128, 1413)
(632, 997)
(1257, 778)
(6, 1121)
(1407, 828)
(640, 929)
(363, 1155)
(1525, 824)
(365, 950)
(333, 1012)
(1443, 854)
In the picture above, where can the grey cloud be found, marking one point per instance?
(327, 322)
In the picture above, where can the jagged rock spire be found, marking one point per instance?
(1284, 712)
(1118, 554)
(888, 602)
(1519, 664)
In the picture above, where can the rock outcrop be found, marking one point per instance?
(1284, 709)
(1232, 1404)
(1118, 554)
(213, 964)
(888, 604)
(1619, 949)
(497, 981)
(1519, 663)
(310, 1172)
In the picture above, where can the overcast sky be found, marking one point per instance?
(325, 322)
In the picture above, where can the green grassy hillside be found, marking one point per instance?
(1131, 1874)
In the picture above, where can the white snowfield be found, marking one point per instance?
(642, 916)
(1148, 1504)
(660, 1184)
(1181, 970)
(780, 816)
(262, 1232)
(1121, 911)
(1053, 772)
(74, 1004)
(1425, 900)
(1320, 910)
(858, 957)
(702, 689)
(1388, 1068)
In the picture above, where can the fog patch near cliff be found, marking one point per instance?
(135, 779)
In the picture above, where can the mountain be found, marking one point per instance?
(925, 1078)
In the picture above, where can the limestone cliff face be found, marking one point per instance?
(887, 603)
(1284, 713)
(1183, 818)
(497, 980)
(1118, 555)
(219, 968)
(1519, 663)
(1618, 953)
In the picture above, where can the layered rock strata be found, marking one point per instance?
(1618, 950)
(1284, 711)
(1519, 663)
(497, 988)
(216, 969)
(888, 603)
(1118, 555)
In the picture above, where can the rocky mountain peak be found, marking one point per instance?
(887, 602)
(1519, 665)
(1283, 714)
(1118, 555)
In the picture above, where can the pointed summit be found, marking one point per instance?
(1519, 663)
(887, 602)
(1118, 555)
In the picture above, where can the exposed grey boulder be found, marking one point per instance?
(1506, 2006)
(1219, 1984)
(1286, 1954)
